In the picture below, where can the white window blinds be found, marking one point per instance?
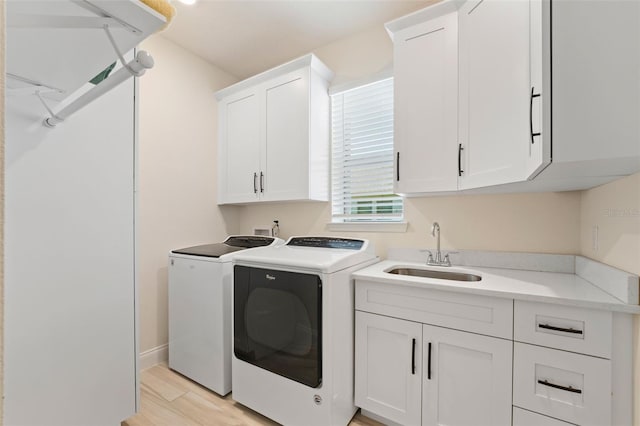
(362, 155)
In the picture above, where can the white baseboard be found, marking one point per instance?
(153, 356)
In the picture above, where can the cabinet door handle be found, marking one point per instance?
(261, 182)
(429, 363)
(413, 356)
(537, 95)
(562, 329)
(255, 185)
(460, 148)
(564, 388)
(398, 166)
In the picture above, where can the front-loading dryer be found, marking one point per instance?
(200, 309)
(293, 328)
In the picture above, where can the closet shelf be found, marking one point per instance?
(56, 47)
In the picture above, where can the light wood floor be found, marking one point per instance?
(170, 399)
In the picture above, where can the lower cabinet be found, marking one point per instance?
(466, 378)
(430, 357)
(415, 374)
(388, 364)
(529, 418)
(572, 387)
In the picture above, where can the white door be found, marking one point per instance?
(466, 378)
(388, 367)
(285, 157)
(494, 92)
(426, 106)
(239, 148)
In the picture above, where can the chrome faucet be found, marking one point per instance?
(439, 260)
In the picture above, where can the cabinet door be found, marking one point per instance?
(426, 114)
(539, 152)
(494, 92)
(285, 156)
(239, 149)
(388, 357)
(467, 378)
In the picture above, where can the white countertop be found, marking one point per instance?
(548, 287)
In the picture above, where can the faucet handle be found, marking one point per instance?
(429, 256)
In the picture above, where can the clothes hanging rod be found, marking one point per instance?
(142, 62)
(135, 68)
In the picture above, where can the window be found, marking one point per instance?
(362, 155)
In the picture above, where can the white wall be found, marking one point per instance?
(541, 222)
(615, 209)
(177, 173)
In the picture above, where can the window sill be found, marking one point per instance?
(368, 226)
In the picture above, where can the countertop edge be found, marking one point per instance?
(620, 307)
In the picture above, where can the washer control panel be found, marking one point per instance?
(326, 242)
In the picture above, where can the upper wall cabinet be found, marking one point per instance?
(426, 100)
(593, 80)
(274, 135)
(494, 92)
(544, 101)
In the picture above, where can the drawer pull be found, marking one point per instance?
(413, 357)
(564, 388)
(429, 363)
(564, 330)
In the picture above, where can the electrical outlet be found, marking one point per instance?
(594, 237)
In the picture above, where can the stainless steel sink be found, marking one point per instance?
(441, 275)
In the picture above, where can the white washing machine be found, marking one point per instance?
(293, 328)
(200, 309)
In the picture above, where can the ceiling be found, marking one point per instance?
(245, 37)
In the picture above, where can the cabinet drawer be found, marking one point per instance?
(529, 418)
(468, 312)
(571, 387)
(569, 328)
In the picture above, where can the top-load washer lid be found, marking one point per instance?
(230, 245)
(323, 254)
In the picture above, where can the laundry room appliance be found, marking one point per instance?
(200, 309)
(293, 314)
